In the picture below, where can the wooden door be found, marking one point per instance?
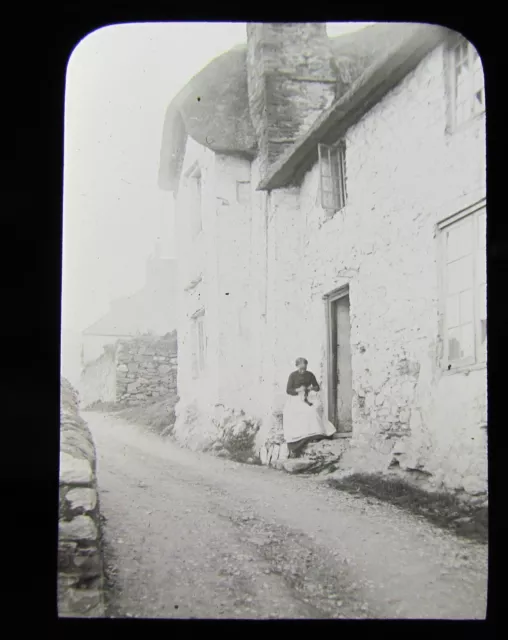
(343, 379)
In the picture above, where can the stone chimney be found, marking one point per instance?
(292, 78)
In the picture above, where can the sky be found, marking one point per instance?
(120, 80)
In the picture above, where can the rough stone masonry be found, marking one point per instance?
(132, 372)
(146, 369)
(80, 563)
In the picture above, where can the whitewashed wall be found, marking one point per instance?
(404, 175)
(277, 254)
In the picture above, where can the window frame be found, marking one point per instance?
(451, 79)
(241, 200)
(335, 157)
(479, 358)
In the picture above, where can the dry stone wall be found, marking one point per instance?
(80, 563)
(146, 369)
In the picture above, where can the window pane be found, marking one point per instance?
(454, 344)
(479, 103)
(327, 200)
(326, 173)
(243, 192)
(482, 311)
(467, 341)
(461, 342)
(482, 300)
(478, 73)
(460, 275)
(453, 311)
(483, 331)
(461, 54)
(466, 307)
(459, 239)
(482, 228)
(481, 267)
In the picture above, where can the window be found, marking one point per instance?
(467, 92)
(332, 169)
(464, 288)
(242, 192)
(195, 203)
(199, 340)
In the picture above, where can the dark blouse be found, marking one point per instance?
(297, 380)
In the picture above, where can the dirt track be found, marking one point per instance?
(190, 535)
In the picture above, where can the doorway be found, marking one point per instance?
(340, 374)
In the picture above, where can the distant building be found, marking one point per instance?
(152, 310)
(330, 203)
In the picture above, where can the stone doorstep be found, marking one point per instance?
(297, 465)
(319, 454)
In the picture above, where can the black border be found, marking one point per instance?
(44, 39)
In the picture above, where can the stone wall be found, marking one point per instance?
(146, 369)
(98, 378)
(80, 563)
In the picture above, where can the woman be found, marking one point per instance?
(302, 419)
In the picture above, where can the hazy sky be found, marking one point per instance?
(120, 81)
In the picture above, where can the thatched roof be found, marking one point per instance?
(213, 108)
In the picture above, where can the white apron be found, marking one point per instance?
(299, 420)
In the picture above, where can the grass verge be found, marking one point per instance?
(441, 509)
(158, 416)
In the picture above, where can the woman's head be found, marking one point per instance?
(301, 364)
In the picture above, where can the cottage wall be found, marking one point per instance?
(263, 265)
(93, 346)
(404, 175)
(98, 380)
(197, 290)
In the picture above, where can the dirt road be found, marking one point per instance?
(192, 536)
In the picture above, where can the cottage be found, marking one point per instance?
(330, 202)
(151, 310)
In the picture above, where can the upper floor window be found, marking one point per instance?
(195, 202)
(467, 89)
(332, 171)
(242, 192)
(464, 291)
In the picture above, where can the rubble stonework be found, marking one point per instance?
(224, 432)
(132, 372)
(146, 369)
(80, 562)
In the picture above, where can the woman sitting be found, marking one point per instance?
(302, 419)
